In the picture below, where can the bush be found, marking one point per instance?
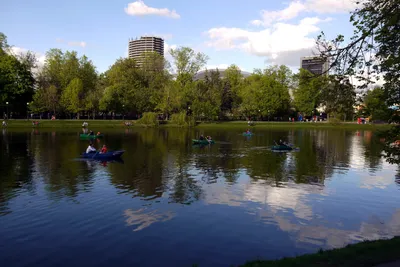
(182, 119)
(335, 121)
(149, 119)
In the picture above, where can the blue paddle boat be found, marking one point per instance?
(110, 155)
(248, 134)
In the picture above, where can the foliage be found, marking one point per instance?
(339, 97)
(148, 119)
(72, 97)
(375, 105)
(16, 77)
(308, 94)
(373, 49)
(335, 121)
(266, 93)
(182, 119)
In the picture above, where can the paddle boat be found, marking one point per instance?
(282, 148)
(88, 136)
(202, 142)
(110, 155)
(247, 134)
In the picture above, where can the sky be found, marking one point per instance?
(251, 34)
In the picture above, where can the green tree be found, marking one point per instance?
(187, 63)
(339, 97)
(233, 81)
(373, 48)
(265, 93)
(307, 95)
(126, 82)
(375, 105)
(73, 97)
(16, 77)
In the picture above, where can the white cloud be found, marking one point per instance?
(81, 44)
(331, 6)
(268, 17)
(281, 40)
(277, 42)
(295, 8)
(72, 43)
(139, 8)
(167, 47)
(19, 51)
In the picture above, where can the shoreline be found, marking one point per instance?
(367, 253)
(101, 124)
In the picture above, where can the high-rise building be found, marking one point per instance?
(137, 47)
(315, 64)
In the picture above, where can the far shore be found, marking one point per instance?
(367, 253)
(102, 124)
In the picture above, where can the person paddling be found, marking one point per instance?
(201, 137)
(248, 131)
(91, 132)
(90, 149)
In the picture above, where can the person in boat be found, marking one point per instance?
(281, 143)
(98, 133)
(91, 132)
(103, 149)
(90, 149)
(248, 131)
(209, 138)
(201, 137)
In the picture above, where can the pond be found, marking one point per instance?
(170, 203)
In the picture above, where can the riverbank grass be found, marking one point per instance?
(101, 124)
(368, 253)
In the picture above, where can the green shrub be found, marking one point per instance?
(183, 120)
(149, 119)
(335, 121)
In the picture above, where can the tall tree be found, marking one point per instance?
(307, 95)
(375, 105)
(73, 97)
(339, 97)
(16, 77)
(374, 47)
(187, 63)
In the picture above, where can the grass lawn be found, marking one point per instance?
(101, 124)
(368, 253)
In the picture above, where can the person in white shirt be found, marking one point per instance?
(90, 149)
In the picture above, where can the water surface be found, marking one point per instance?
(173, 204)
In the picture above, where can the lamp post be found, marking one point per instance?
(123, 112)
(7, 110)
(27, 110)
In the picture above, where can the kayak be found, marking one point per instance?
(282, 148)
(202, 142)
(110, 155)
(247, 134)
(91, 136)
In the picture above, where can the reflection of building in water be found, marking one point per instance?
(144, 217)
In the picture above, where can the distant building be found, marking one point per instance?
(137, 47)
(315, 64)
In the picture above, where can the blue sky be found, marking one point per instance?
(250, 34)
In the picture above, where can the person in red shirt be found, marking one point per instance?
(103, 149)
